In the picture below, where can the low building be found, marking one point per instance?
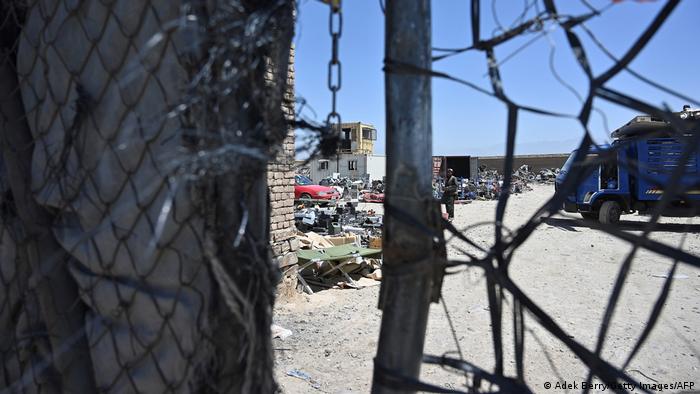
(357, 137)
(468, 166)
(354, 159)
(371, 167)
(349, 165)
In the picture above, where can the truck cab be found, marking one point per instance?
(631, 174)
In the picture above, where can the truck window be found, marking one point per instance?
(570, 161)
(609, 173)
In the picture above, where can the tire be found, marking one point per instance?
(305, 196)
(609, 212)
(589, 215)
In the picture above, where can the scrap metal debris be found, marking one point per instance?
(375, 194)
(328, 261)
(304, 376)
(489, 183)
(342, 241)
(340, 219)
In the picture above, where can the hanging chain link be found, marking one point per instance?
(335, 28)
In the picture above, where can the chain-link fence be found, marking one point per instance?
(679, 186)
(134, 234)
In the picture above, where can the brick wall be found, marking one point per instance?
(280, 181)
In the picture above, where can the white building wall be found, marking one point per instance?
(317, 173)
(376, 167)
(360, 167)
(368, 167)
(341, 165)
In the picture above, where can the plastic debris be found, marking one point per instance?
(676, 276)
(280, 332)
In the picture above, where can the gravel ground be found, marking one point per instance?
(566, 267)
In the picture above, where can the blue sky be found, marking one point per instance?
(466, 122)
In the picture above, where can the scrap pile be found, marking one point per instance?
(324, 220)
(547, 175)
(489, 183)
(488, 186)
(344, 185)
(332, 261)
(520, 179)
(338, 243)
(340, 219)
(375, 194)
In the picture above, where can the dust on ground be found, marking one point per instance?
(566, 267)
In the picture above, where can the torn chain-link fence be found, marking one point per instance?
(494, 261)
(134, 236)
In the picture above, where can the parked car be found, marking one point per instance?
(305, 189)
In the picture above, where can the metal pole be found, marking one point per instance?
(408, 251)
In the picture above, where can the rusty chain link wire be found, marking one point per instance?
(128, 128)
(495, 260)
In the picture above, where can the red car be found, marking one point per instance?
(305, 189)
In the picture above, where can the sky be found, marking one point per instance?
(466, 122)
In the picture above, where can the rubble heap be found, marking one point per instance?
(489, 182)
(343, 218)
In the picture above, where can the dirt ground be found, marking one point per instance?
(566, 267)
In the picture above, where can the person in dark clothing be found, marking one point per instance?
(450, 194)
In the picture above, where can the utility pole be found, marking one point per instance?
(408, 251)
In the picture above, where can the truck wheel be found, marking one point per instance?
(609, 212)
(589, 215)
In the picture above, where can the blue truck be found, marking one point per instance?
(632, 172)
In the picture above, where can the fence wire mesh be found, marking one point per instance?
(133, 235)
(135, 139)
(494, 261)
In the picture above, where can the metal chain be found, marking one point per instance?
(335, 28)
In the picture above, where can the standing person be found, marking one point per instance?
(450, 193)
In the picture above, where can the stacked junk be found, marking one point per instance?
(361, 190)
(341, 246)
(489, 183)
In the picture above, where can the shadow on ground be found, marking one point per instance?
(571, 224)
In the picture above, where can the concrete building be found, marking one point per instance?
(371, 167)
(354, 159)
(357, 137)
(348, 165)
